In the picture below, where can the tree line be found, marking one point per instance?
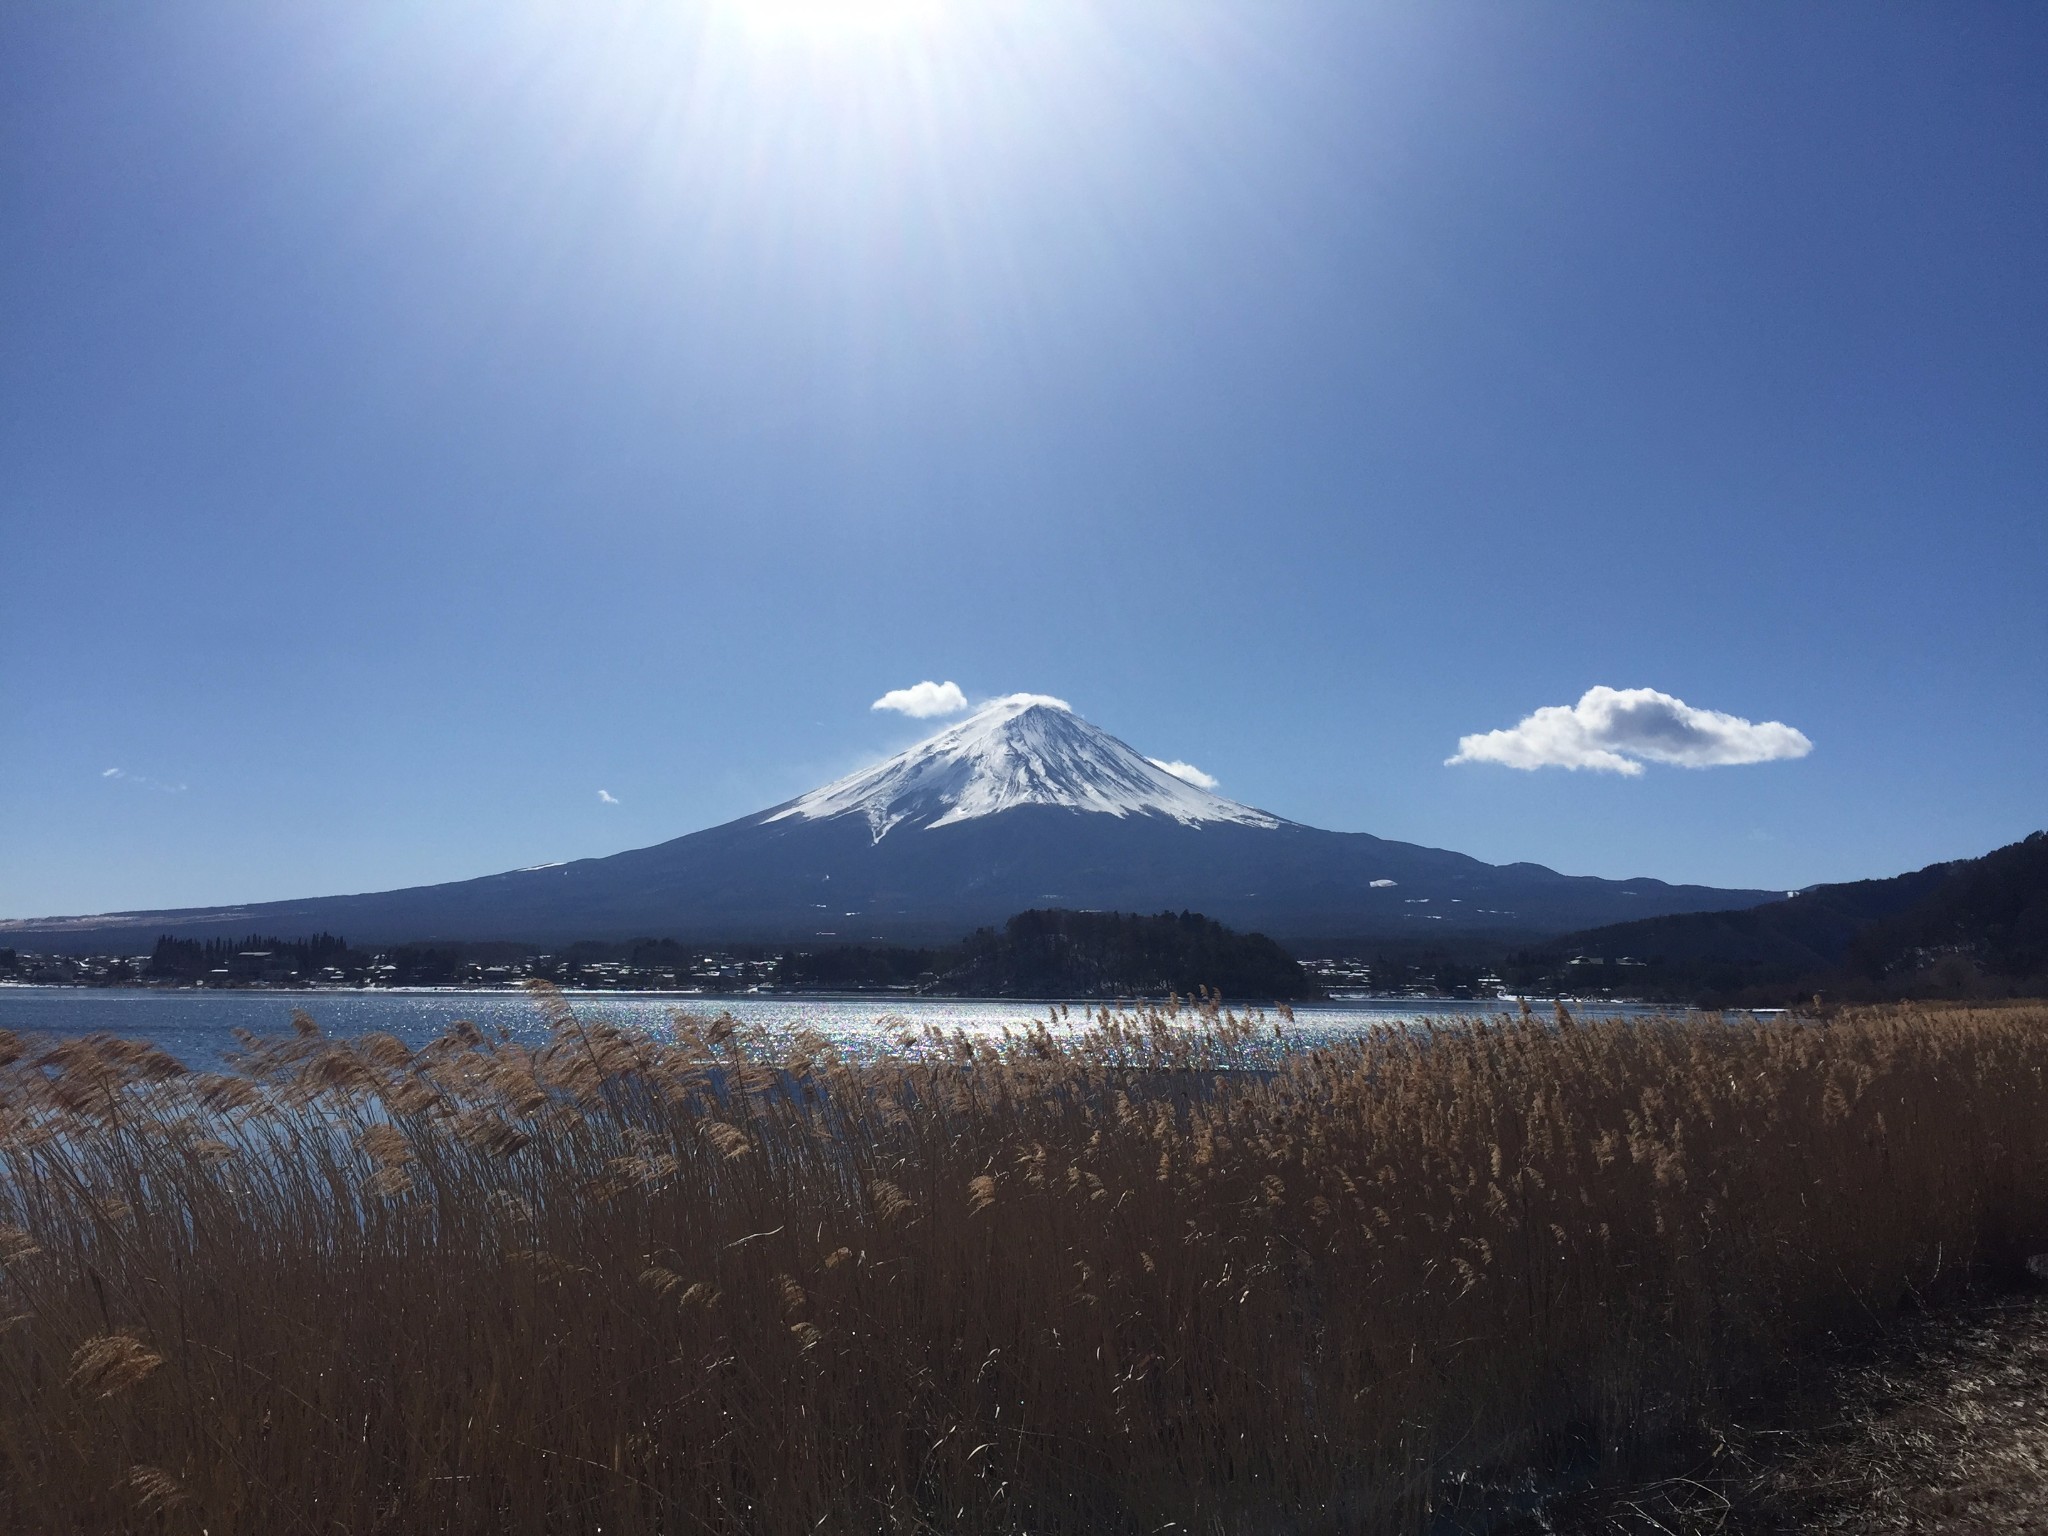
(1056, 953)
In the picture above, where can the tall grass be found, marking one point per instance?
(1097, 1282)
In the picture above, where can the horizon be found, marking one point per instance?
(440, 442)
(946, 709)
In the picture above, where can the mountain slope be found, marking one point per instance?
(1022, 805)
(1966, 927)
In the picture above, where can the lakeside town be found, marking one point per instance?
(652, 966)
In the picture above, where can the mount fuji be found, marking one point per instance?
(1022, 804)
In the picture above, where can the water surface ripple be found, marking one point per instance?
(198, 1026)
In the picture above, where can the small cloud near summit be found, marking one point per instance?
(607, 797)
(1617, 730)
(924, 701)
(1186, 772)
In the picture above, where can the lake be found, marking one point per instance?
(198, 1026)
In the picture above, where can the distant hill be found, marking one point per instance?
(1968, 928)
(1072, 954)
(1021, 804)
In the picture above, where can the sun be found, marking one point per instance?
(826, 20)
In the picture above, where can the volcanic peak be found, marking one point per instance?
(1024, 749)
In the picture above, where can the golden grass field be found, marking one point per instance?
(1078, 1280)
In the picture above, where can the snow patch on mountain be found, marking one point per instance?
(1026, 749)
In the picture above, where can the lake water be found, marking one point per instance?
(198, 1026)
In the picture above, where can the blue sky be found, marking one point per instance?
(415, 418)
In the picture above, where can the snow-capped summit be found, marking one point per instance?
(1026, 749)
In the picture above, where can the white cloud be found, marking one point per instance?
(1381, 885)
(125, 776)
(1617, 730)
(1186, 771)
(924, 700)
(607, 797)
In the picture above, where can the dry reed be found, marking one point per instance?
(1148, 1276)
